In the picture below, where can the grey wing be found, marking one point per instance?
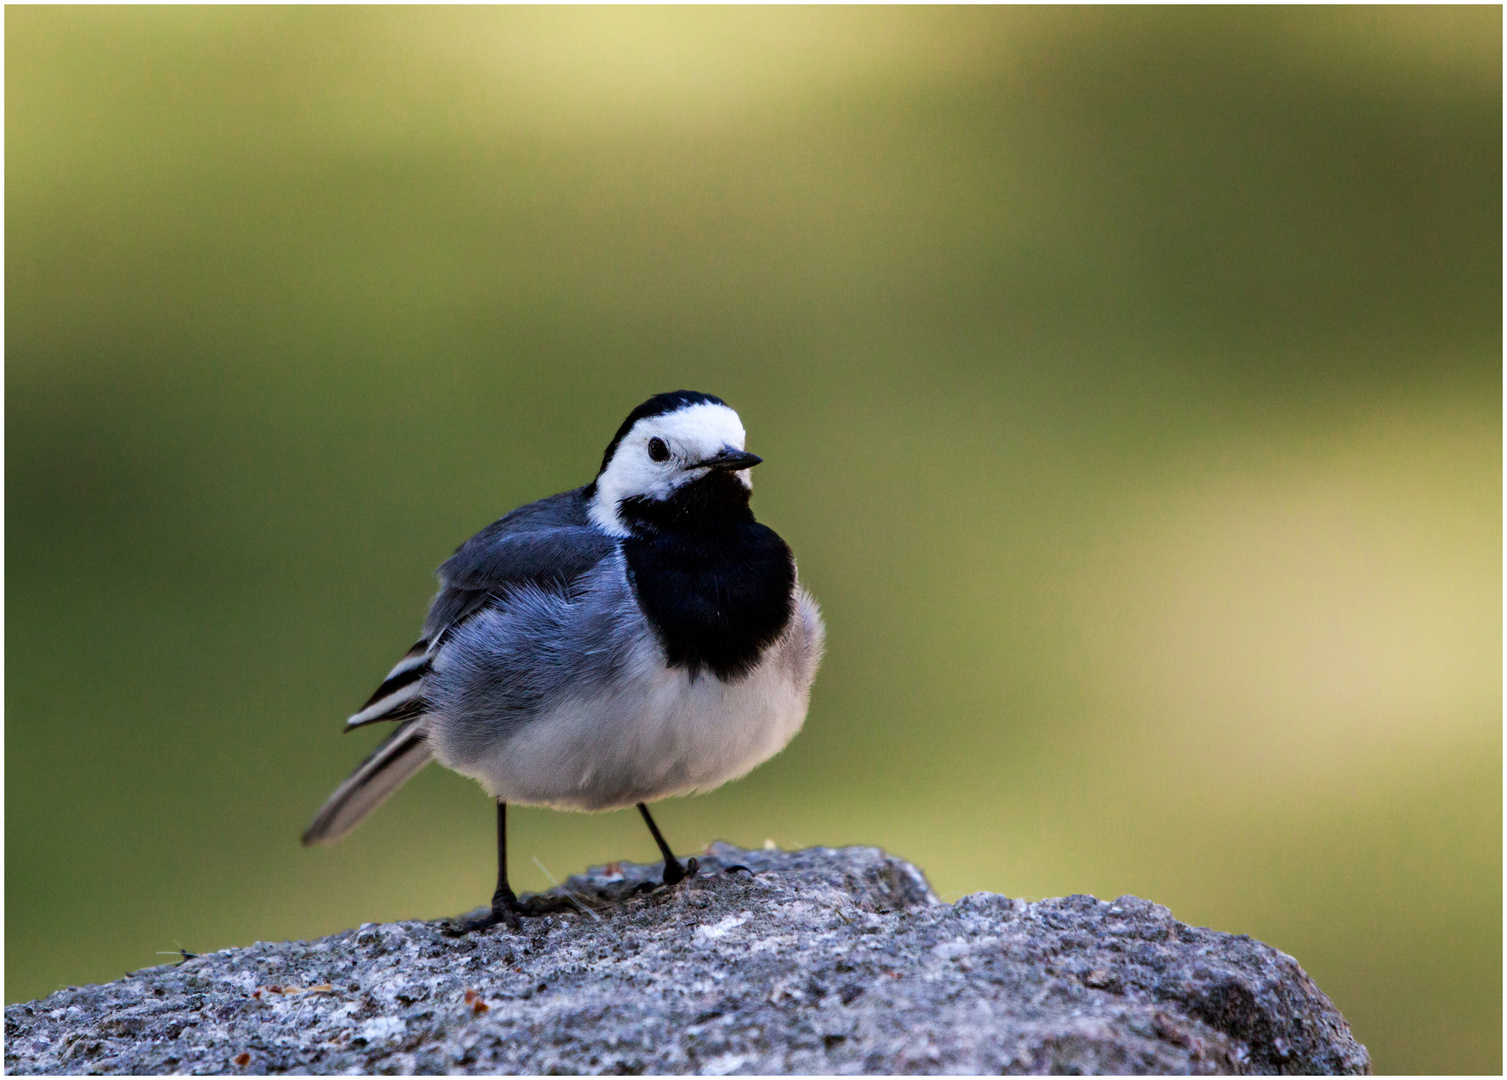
(566, 508)
(550, 543)
(547, 544)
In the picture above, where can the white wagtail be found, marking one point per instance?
(639, 637)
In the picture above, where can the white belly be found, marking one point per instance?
(660, 732)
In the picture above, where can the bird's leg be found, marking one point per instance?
(504, 900)
(506, 907)
(674, 871)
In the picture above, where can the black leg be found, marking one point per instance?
(506, 907)
(503, 897)
(674, 871)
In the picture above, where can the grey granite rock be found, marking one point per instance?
(822, 961)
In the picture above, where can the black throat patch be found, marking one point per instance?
(715, 584)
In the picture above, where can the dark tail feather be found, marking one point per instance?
(397, 758)
(400, 695)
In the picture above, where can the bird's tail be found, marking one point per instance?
(397, 758)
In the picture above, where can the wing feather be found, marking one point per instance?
(550, 544)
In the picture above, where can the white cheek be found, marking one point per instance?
(694, 434)
(629, 474)
(604, 516)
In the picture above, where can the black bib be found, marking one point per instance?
(715, 584)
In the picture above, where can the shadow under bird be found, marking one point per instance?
(639, 637)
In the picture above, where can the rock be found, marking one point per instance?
(823, 961)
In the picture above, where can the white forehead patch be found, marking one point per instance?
(702, 429)
(692, 434)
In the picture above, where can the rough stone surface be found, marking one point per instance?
(824, 961)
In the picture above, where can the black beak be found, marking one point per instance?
(730, 459)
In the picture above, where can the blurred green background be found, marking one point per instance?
(1129, 382)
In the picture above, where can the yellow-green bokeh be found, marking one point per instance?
(1129, 382)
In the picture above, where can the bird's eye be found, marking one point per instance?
(658, 451)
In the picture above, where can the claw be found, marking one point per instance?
(735, 868)
(537, 905)
(477, 922)
(675, 873)
(506, 909)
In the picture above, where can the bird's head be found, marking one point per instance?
(677, 462)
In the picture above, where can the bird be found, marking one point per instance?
(636, 638)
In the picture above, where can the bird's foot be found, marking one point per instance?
(475, 922)
(506, 909)
(674, 874)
